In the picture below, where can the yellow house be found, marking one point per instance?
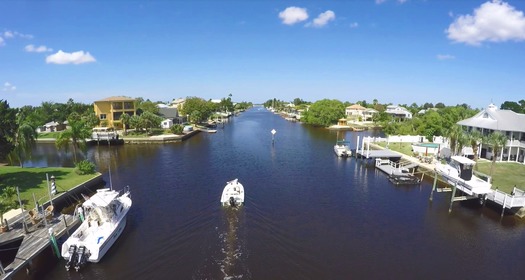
(110, 109)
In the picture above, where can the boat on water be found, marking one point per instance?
(342, 149)
(233, 194)
(404, 179)
(459, 172)
(105, 218)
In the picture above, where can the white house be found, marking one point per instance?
(167, 123)
(357, 111)
(398, 112)
(507, 122)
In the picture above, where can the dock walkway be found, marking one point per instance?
(35, 240)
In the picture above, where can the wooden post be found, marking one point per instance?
(65, 224)
(452, 197)
(433, 186)
(504, 202)
(23, 212)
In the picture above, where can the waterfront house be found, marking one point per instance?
(110, 109)
(355, 111)
(507, 122)
(51, 127)
(398, 112)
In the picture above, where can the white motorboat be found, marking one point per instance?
(233, 194)
(459, 172)
(105, 219)
(342, 149)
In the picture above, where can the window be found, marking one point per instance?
(128, 105)
(116, 116)
(103, 116)
(117, 105)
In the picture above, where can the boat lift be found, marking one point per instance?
(460, 175)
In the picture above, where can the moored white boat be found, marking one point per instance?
(105, 219)
(342, 149)
(232, 194)
(459, 172)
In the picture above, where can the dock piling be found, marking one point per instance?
(433, 186)
(452, 197)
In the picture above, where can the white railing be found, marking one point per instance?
(508, 200)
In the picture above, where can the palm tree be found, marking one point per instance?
(125, 119)
(474, 137)
(76, 135)
(453, 134)
(25, 140)
(498, 141)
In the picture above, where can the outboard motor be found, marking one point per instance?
(232, 201)
(82, 255)
(72, 250)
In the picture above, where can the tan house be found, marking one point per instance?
(110, 109)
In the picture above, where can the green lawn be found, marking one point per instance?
(402, 147)
(33, 180)
(506, 174)
(48, 135)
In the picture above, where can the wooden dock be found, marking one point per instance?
(35, 239)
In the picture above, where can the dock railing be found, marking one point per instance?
(515, 199)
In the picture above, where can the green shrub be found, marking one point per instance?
(177, 129)
(85, 167)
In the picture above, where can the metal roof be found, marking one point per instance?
(499, 120)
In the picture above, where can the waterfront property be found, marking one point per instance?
(508, 123)
(110, 109)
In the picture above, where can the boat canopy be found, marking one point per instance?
(463, 160)
(102, 198)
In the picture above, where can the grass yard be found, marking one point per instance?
(33, 180)
(506, 174)
(402, 147)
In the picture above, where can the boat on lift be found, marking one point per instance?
(460, 172)
(233, 194)
(105, 219)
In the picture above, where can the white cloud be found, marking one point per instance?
(380, 1)
(40, 49)
(9, 34)
(354, 25)
(70, 58)
(8, 87)
(2, 42)
(293, 15)
(494, 21)
(323, 18)
(445, 57)
(12, 34)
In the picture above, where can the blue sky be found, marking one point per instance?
(395, 51)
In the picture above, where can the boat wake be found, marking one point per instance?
(228, 257)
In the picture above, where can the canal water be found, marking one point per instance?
(307, 214)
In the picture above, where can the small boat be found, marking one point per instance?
(404, 179)
(342, 149)
(233, 194)
(105, 213)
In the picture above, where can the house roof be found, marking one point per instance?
(169, 113)
(355, 107)
(49, 124)
(495, 119)
(117, 98)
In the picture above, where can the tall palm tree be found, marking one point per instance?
(474, 138)
(498, 141)
(454, 133)
(25, 140)
(125, 119)
(77, 135)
